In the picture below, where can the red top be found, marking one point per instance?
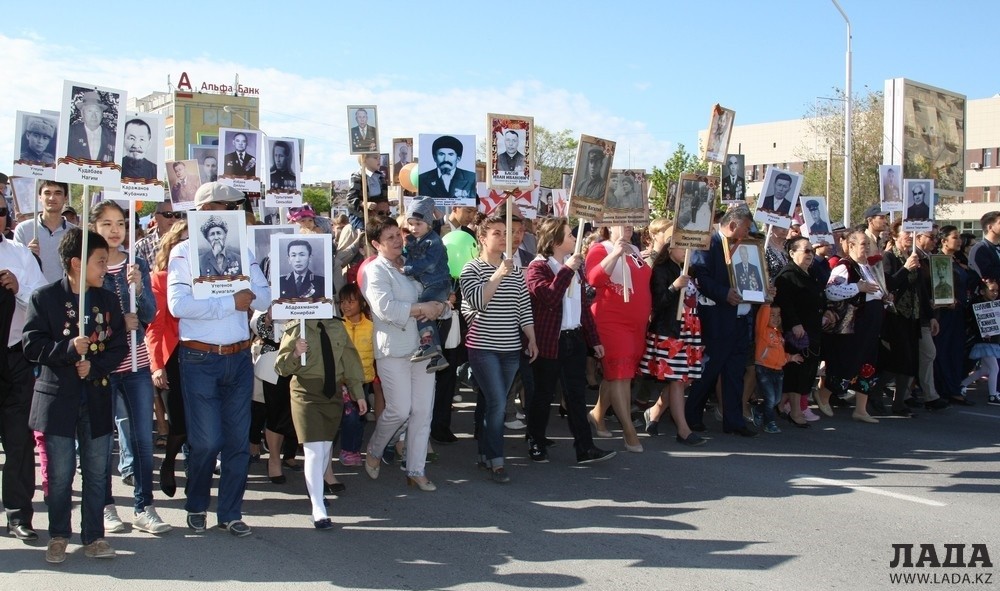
(161, 334)
(609, 303)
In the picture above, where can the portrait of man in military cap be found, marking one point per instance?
(91, 136)
(38, 138)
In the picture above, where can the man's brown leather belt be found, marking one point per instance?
(217, 349)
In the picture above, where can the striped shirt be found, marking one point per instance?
(495, 325)
(141, 352)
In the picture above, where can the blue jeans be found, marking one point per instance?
(769, 383)
(126, 461)
(134, 391)
(217, 391)
(352, 425)
(61, 469)
(494, 371)
(432, 293)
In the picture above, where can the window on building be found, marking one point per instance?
(756, 171)
(987, 157)
(986, 195)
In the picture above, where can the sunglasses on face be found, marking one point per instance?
(174, 215)
(234, 205)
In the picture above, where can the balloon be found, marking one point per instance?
(406, 178)
(415, 177)
(461, 249)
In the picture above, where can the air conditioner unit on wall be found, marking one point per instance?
(976, 166)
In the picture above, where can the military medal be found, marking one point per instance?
(93, 347)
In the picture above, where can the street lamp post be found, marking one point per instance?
(847, 123)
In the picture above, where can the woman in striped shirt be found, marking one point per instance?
(496, 304)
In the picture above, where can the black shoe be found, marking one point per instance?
(323, 524)
(538, 454)
(168, 484)
(595, 455)
(22, 532)
(960, 401)
(692, 440)
(548, 443)
(698, 427)
(912, 402)
(280, 479)
(938, 404)
(128, 480)
(563, 412)
(334, 488)
(744, 431)
(877, 408)
(443, 437)
(903, 412)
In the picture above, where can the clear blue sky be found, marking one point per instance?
(644, 73)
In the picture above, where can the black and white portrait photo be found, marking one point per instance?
(221, 266)
(816, 220)
(694, 207)
(890, 178)
(239, 151)
(362, 121)
(919, 200)
(626, 199)
(24, 200)
(283, 175)
(720, 126)
(777, 197)
(208, 161)
(36, 145)
(402, 154)
(747, 272)
(942, 280)
(90, 151)
(259, 241)
(142, 157)
(734, 186)
(509, 145)
(183, 180)
(594, 157)
(449, 165)
(301, 273)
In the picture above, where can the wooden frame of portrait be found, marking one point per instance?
(586, 196)
(720, 129)
(696, 234)
(369, 145)
(745, 281)
(942, 281)
(617, 212)
(497, 126)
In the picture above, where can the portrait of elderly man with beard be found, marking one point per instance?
(447, 179)
(219, 259)
(135, 165)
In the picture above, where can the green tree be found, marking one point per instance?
(555, 153)
(317, 197)
(825, 121)
(680, 161)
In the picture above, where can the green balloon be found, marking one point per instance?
(415, 176)
(461, 249)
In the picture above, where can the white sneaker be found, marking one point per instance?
(112, 523)
(515, 425)
(809, 415)
(149, 522)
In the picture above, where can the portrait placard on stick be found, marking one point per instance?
(35, 139)
(720, 127)
(734, 186)
(747, 271)
(449, 165)
(816, 220)
(301, 276)
(240, 155)
(24, 189)
(510, 151)
(284, 179)
(183, 179)
(889, 176)
(625, 200)
(259, 243)
(988, 317)
(143, 157)
(918, 216)
(402, 154)
(362, 125)
(219, 262)
(89, 151)
(590, 179)
(777, 198)
(942, 280)
(694, 211)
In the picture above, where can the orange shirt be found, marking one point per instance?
(769, 345)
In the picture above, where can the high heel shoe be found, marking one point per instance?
(636, 449)
(334, 488)
(593, 423)
(372, 471)
(421, 482)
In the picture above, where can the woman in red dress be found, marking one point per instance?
(621, 325)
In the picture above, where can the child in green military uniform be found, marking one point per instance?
(332, 364)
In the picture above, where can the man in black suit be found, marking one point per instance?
(511, 160)
(778, 201)
(748, 276)
(240, 163)
(447, 179)
(919, 209)
(817, 225)
(134, 164)
(402, 159)
(89, 139)
(364, 137)
(301, 282)
(734, 186)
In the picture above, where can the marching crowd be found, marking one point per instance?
(659, 332)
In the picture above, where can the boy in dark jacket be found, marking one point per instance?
(427, 262)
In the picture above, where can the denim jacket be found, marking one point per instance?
(427, 260)
(145, 303)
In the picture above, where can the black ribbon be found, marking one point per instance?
(329, 365)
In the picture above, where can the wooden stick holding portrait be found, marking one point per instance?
(131, 286)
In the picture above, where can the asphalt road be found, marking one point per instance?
(810, 509)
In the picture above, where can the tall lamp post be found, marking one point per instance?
(847, 123)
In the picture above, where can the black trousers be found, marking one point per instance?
(16, 384)
(570, 369)
(444, 385)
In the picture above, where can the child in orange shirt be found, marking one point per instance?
(770, 359)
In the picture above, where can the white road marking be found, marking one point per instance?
(806, 480)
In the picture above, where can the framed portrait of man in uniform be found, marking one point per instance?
(89, 151)
(747, 271)
(301, 276)
(890, 178)
(594, 157)
(510, 151)
(942, 280)
(720, 127)
(362, 126)
(35, 145)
